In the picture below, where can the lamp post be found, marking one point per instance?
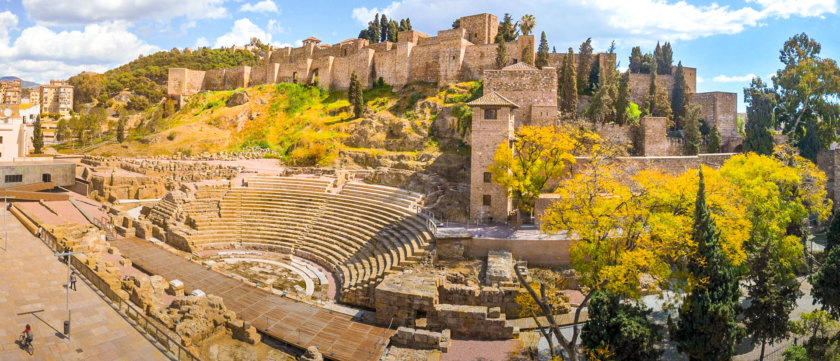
(67, 323)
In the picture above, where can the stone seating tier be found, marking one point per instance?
(361, 234)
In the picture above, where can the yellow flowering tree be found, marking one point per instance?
(538, 156)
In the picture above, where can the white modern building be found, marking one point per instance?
(16, 129)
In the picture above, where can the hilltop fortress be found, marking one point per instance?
(466, 53)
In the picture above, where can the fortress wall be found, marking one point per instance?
(424, 63)
(382, 47)
(525, 88)
(184, 81)
(295, 71)
(410, 36)
(451, 56)
(481, 28)
(640, 86)
(393, 66)
(303, 52)
(829, 162)
(361, 63)
(214, 79)
(237, 77)
(523, 44)
(654, 136)
(279, 56)
(321, 69)
(719, 108)
(477, 59)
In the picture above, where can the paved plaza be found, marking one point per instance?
(31, 279)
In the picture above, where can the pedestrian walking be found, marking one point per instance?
(73, 280)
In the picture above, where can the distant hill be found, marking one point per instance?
(23, 83)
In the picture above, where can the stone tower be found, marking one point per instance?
(492, 125)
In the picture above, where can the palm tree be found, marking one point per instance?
(527, 23)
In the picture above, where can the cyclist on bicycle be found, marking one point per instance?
(27, 333)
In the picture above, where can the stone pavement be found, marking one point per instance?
(32, 279)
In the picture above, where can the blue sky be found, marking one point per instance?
(727, 41)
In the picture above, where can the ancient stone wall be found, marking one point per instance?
(481, 28)
(654, 136)
(403, 298)
(479, 322)
(720, 108)
(503, 297)
(525, 87)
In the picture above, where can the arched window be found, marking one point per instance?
(489, 113)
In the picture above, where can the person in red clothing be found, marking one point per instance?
(27, 333)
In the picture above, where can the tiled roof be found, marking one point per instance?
(493, 99)
(312, 38)
(519, 66)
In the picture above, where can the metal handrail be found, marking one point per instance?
(171, 344)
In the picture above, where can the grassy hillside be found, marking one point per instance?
(306, 125)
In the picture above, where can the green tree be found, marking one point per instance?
(679, 95)
(636, 60)
(663, 56)
(808, 87)
(821, 330)
(650, 105)
(501, 53)
(356, 96)
(568, 85)
(760, 118)
(383, 28)
(623, 99)
(527, 23)
(773, 290)
(810, 145)
(714, 140)
(691, 131)
(602, 104)
(37, 136)
(584, 66)
(542, 52)
(826, 282)
(832, 236)
(621, 329)
(121, 128)
(706, 327)
(507, 29)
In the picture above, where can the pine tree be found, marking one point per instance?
(121, 129)
(623, 99)
(760, 118)
(714, 140)
(501, 53)
(636, 60)
(542, 52)
(706, 328)
(507, 29)
(584, 66)
(383, 26)
(568, 102)
(679, 98)
(657, 55)
(773, 290)
(37, 136)
(650, 105)
(623, 329)
(375, 30)
(665, 59)
(691, 131)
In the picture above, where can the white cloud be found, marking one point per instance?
(628, 21)
(275, 27)
(265, 6)
(89, 11)
(700, 79)
(241, 33)
(40, 53)
(201, 42)
(734, 78)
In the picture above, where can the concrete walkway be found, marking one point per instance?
(32, 291)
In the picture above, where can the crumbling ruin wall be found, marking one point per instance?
(477, 322)
(403, 298)
(503, 297)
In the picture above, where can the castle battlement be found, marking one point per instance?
(461, 54)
